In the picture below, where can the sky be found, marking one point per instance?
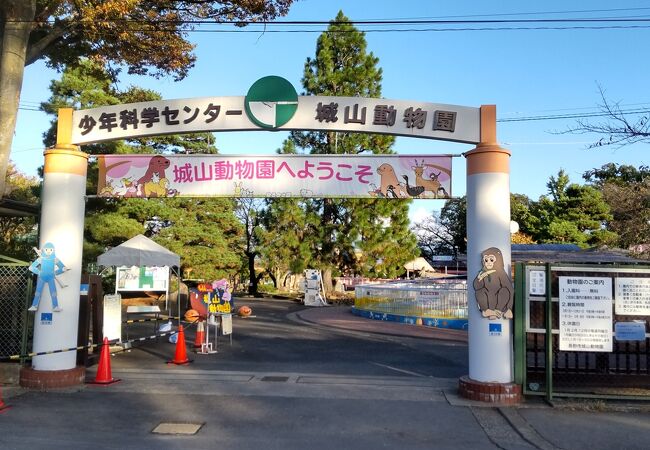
(525, 73)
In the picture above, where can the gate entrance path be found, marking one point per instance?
(271, 104)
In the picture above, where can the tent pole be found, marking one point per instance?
(178, 295)
(169, 278)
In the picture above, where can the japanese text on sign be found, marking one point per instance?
(323, 176)
(633, 296)
(370, 115)
(585, 314)
(537, 284)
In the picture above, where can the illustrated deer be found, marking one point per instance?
(432, 184)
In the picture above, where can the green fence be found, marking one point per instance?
(15, 296)
(582, 330)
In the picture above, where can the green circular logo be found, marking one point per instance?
(271, 102)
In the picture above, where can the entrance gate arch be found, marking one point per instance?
(272, 104)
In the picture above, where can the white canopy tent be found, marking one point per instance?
(419, 265)
(140, 251)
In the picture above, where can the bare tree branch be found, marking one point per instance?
(620, 128)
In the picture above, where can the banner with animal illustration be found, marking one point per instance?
(321, 176)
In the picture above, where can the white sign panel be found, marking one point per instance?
(113, 317)
(537, 283)
(442, 258)
(345, 114)
(226, 324)
(586, 314)
(142, 278)
(633, 296)
(322, 176)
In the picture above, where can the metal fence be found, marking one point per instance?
(605, 349)
(15, 295)
(424, 298)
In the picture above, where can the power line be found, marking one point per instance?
(355, 22)
(417, 30)
(578, 108)
(541, 12)
(572, 116)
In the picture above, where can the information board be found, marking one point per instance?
(630, 331)
(113, 317)
(142, 278)
(586, 314)
(226, 324)
(537, 282)
(633, 296)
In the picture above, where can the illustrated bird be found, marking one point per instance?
(413, 191)
(390, 191)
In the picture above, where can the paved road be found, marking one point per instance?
(288, 383)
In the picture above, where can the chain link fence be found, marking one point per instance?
(15, 295)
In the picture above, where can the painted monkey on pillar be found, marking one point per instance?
(493, 287)
(47, 266)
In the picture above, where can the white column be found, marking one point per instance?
(62, 224)
(488, 225)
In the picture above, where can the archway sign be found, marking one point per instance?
(272, 104)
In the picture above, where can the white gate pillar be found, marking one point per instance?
(62, 224)
(488, 225)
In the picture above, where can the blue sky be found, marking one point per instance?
(524, 72)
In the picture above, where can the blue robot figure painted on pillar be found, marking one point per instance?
(47, 267)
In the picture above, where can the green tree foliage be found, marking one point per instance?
(143, 36)
(18, 234)
(368, 237)
(283, 237)
(626, 190)
(520, 212)
(571, 213)
(204, 232)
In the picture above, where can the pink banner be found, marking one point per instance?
(322, 176)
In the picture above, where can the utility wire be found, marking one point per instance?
(414, 30)
(572, 116)
(354, 22)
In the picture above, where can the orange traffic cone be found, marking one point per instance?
(3, 405)
(200, 335)
(104, 370)
(181, 352)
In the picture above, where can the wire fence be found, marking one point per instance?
(428, 298)
(15, 293)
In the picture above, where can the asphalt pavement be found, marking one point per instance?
(296, 378)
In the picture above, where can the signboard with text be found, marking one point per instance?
(142, 278)
(322, 176)
(586, 313)
(345, 114)
(633, 296)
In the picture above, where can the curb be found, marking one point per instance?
(456, 339)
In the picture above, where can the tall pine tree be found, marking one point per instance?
(351, 236)
(204, 232)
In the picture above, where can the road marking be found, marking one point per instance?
(415, 374)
